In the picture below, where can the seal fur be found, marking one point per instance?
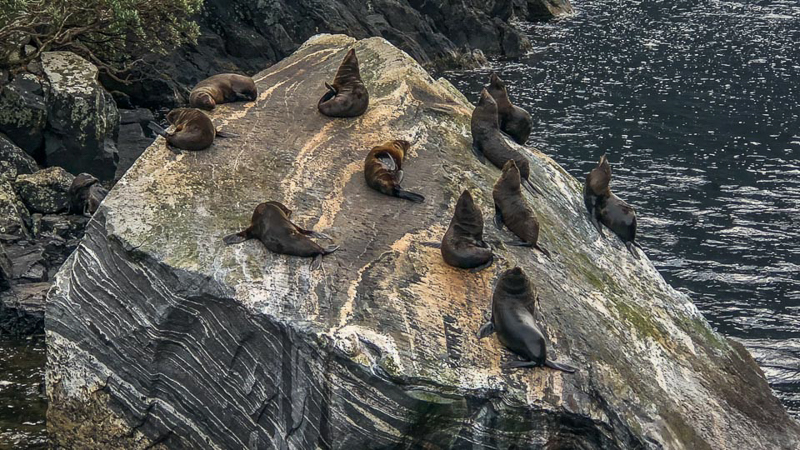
(463, 245)
(514, 121)
(193, 129)
(513, 210)
(347, 96)
(222, 88)
(383, 170)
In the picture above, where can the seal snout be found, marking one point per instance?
(495, 80)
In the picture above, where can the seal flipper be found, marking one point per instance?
(557, 366)
(630, 246)
(478, 153)
(531, 188)
(498, 218)
(486, 330)
(235, 238)
(408, 195)
(519, 364)
(596, 224)
(398, 176)
(520, 243)
(482, 266)
(157, 129)
(543, 250)
(225, 134)
(330, 249)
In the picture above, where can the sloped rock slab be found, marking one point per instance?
(159, 335)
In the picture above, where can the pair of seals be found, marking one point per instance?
(513, 318)
(463, 245)
(347, 97)
(383, 170)
(85, 194)
(222, 88)
(513, 210)
(606, 208)
(270, 224)
(514, 121)
(193, 129)
(489, 143)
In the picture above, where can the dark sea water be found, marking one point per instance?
(22, 399)
(696, 103)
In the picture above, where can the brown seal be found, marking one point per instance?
(606, 208)
(383, 170)
(222, 88)
(463, 245)
(514, 121)
(514, 320)
(193, 129)
(513, 210)
(489, 143)
(85, 194)
(347, 97)
(270, 224)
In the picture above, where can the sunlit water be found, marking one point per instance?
(697, 105)
(22, 400)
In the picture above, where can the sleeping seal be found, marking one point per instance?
(383, 170)
(514, 121)
(193, 129)
(513, 210)
(347, 97)
(222, 88)
(463, 245)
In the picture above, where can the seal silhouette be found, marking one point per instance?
(383, 170)
(513, 319)
(489, 143)
(85, 194)
(514, 121)
(463, 245)
(222, 88)
(193, 129)
(513, 210)
(606, 208)
(347, 96)
(270, 224)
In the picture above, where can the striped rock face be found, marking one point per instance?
(160, 335)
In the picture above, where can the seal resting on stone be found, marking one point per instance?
(606, 208)
(193, 129)
(489, 143)
(270, 224)
(85, 194)
(513, 319)
(383, 170)
(513, 210)
(222, 88)
(463, 245)
(347, 97)
(514, 121)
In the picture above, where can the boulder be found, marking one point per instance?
(82, 119)
(22, 309)
(160, 335)
(46, 190)
(23, 112)
(13, 160)
(14, 217)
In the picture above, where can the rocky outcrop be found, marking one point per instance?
(46, 190)
(23, 112)
(160, 335)
(533, 10)
(134, 137)
(14, 161)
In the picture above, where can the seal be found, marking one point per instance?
(383, 170)
(85, 194)
(513, 318)
(513, 210)
(347, 97)
(606, 208)
(270, 224)
(193, 129)
(489, 143)
(463, 245)
(514, 121)
(222, 88)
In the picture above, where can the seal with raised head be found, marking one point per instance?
(85, 194)
(347, 96)
(513, 318)
(606, 208)
(270, 224)
(222, 88)
(383, 170)
(193, 131)
(489, 143)
(514, 121)
(513, 210)
(463, 245)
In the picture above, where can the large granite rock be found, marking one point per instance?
(14, 217)
(159, 335)
(23, 112)
(45, 191)
(13, 160)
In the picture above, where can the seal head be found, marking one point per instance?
(514, 121)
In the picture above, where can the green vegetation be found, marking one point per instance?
(112, 34)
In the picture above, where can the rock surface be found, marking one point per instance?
(159, 335)
(46, 190)
(13, 160)
(23, 112)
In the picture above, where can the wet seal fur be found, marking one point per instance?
(222, 88)
(383, 170)
(193, 131)
(85, 194)
(513, 210)
(514, 320)
(347, 97)
(489, 143)
(463, 245)
(514, 121)
(606, 208)
(270, 224)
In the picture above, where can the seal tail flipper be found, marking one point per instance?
(486, 265)
(631, 249)
(331, 89)
(432, 244)
(157, 129)
(235, 238)
(557, 366)
(330, 249)
(225, 134)
(519, 364)
(543, 250)
(316, 263)
(318, 235)
(531, 188)
(409, 195)
(486, 330)
(478, 153)
(597, 225)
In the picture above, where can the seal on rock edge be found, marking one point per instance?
(347, 97)
(85, 194)
(513, 210)
(463, 245)
(270, 224)
(513, 318)
(222, 88)
(193, 129)
(383, 170)
(514, 121)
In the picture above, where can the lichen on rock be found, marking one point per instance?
(46, 190)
